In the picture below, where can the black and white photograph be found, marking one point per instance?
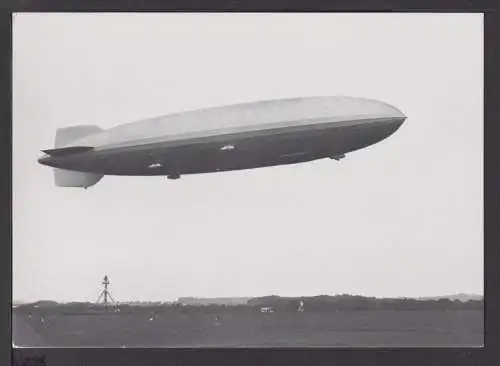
(247, 180)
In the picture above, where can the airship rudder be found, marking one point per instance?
(65, 136)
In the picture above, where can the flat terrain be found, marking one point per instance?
(381, 328)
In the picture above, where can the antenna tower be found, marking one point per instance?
(105, 294)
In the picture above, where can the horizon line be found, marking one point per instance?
(261, 296)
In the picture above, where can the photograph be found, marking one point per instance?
(247, 180)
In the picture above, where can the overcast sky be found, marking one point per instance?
(403, 217)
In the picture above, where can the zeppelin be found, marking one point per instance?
(217, 139)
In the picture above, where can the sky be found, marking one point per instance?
(403, 217)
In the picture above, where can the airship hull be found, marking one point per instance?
(243, 151)
(225, 149)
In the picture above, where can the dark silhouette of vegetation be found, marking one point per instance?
(352, 303)
(311, 304)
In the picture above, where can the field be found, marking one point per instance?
(382, 328)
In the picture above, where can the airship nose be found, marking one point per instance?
(394, 125)
(399, 121)
(387, 112)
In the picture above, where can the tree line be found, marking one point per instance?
(277, 303)
(353, 302)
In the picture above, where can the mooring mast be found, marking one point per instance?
(105, 292)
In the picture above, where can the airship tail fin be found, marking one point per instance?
(71, 178)
(67, 135)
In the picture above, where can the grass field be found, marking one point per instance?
(382, 328)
